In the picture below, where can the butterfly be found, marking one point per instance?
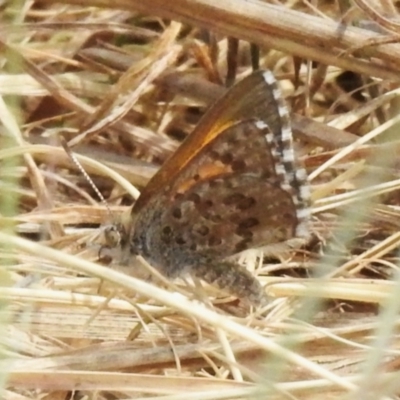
(233, 184)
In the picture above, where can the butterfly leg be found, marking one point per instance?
(233, 278)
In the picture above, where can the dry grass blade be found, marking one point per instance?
(272, 26)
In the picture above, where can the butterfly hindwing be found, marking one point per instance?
(223, 200)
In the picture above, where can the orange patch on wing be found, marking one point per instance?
(210, 170)
(205, 172)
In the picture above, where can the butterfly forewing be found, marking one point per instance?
(253, 97)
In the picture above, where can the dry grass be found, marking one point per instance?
(124, 86)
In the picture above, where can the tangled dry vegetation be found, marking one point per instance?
(124, 83)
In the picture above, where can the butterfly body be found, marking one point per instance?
(234, 186)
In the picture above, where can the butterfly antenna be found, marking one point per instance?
(73, 158)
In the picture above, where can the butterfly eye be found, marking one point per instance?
(114, 235)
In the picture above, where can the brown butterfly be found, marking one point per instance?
(232, 185)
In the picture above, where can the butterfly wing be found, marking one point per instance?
(255, 97)
(232, 195)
